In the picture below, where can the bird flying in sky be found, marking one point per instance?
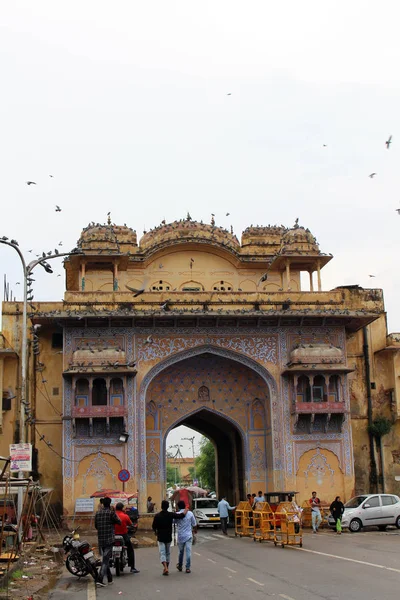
(388, 142)
(58, 209)
(31, 183)
(372, 175)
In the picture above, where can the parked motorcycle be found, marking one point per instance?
(119, 558)
(80, 559)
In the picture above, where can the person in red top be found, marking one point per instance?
(123, 530)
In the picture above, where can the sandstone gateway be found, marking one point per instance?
(190, 326)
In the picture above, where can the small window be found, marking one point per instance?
(6, 402)
(82, 427)
(56, 391)
(99, 427)
(373, 501)
(57, 340)
(116, 425)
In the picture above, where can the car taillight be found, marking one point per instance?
(117, 543)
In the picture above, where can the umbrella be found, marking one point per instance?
(197, 490)
(113, 494)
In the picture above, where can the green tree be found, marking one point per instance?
(172, 472)
(205, 464)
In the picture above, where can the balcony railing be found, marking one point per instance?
(99, 411)
(318, 408)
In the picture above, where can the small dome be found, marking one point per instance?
(114, 238)
(298, 240)
(188, 230)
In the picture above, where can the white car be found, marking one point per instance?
(205, 512)
(370, 509)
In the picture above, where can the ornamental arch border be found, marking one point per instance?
(277, 447)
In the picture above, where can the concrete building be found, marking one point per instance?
(190, 326)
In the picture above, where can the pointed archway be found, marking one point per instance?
(222, 395)
(229, 442)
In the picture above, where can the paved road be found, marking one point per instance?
(330, 567)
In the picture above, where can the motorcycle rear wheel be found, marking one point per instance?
(76, 567)
(117, 567)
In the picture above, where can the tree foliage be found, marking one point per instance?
(380, 426)
(205, 464)
(171, 474)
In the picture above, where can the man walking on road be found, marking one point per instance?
(186, 526)
(104, 522)
(162, 527)
(315, 512)
(223, 508)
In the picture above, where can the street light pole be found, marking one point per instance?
(27, 271)
(194, 459)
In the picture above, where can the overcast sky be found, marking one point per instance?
(126, 104)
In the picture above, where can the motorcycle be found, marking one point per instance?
(80, 559)
(119, 558)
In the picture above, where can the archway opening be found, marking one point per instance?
(226, 477)
(222, 399)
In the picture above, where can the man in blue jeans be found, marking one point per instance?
(186, 526)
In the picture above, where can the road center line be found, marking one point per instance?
(360, 562)
(231, 570)
(254, 581)
(286, 597)
(197, 553)
(91, 590)
(211, 560)
(217, 535)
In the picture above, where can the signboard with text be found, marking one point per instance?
(84, 505)
(21, 457)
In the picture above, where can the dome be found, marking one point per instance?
(117, 239)
(298, 240)
(187, 230)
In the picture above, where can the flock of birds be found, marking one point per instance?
(137, 292)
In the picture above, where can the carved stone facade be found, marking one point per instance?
(191, 326)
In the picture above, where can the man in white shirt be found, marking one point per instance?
(223, 508)
(258, 498)
(186, 526)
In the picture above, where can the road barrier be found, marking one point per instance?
(264, 522)
(244, 525)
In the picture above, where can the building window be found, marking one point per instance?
(57, 340)
(82, 428)
(333, 388)
(116, 426)
(99, 427)
(319, 393)
(56, 391)
(6, 402)
(82, 392)
(303, 393)
(116, 392)
(222, 286)
(99, 392)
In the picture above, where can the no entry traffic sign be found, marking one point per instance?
(124, 475)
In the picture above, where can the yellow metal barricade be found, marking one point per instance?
(243, 519)
(264, 522)
(288, 527)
